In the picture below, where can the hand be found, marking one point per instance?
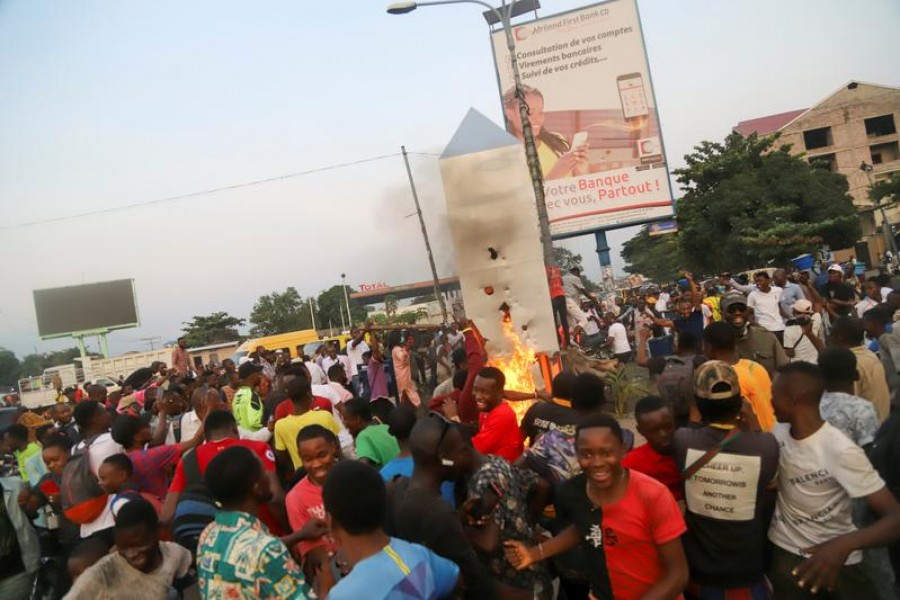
(518, 554)
(450, 408)
(313, 529)
(807, 329)
(544, 395)
(821, 569)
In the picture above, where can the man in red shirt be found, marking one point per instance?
(558, 302)
(221, 432)
(656, 423)
(499, 432)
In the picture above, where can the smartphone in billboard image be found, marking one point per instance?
(633, 95)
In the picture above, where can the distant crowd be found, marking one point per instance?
(762, 463)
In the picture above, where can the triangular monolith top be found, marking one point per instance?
(477, 133)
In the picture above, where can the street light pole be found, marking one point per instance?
(346, 299)
(434, 276)
(885, 224)
(504, 15)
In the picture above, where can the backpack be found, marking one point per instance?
(676, 386)
(79, 493)
(196, 508)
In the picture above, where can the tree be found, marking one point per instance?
(566, 260)
(10, 367)
(886, 191)
(212, 329)
(656, 257)
(280, 313)
(331, 306)
(747, 203)
(34, 364)
(391, 303)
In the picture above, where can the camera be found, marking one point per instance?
(801, 321)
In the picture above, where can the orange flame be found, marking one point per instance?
(517, 367)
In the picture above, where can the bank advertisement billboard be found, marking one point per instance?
(592, 109)
(104, 305)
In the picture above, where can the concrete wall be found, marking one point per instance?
(845, 113)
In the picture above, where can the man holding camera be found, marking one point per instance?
(803, 333)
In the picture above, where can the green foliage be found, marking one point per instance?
(625, 389)
(391, 303)
(565, 259)
(10, 367)
(886, 191)
(331, 305)
(34, 364)
(212, 329)
(656, 257)
(746, 203)
(280, 313)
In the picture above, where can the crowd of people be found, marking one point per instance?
(760, 466)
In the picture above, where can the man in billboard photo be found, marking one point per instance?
(557, 156)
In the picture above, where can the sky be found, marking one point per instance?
(108, 104)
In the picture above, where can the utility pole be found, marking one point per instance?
(312, 313)
(437, 286)
(151, 341)
(346, 299)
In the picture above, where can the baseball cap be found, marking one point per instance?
(802, 306)
(731, 299)
(836, 268)
(716, 380)
(247, 369)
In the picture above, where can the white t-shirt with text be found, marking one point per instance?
(817, 478)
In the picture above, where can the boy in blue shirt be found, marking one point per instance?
(383, 567)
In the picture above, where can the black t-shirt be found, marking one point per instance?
(728, 505)
(573, 507)
(839, 291)
(544, 416)
(421, 517)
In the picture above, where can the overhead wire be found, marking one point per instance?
(155, 201)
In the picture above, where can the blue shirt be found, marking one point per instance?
(403, 466)
(790, 294)
(401, 571)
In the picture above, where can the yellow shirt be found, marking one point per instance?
(713, 303)
(756, 387)
(872, 383)
(546, 157)
(286, 431)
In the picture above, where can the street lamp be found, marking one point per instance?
(885, 224)
(503, 16)
(346, 300)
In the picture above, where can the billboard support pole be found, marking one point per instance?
(104, 348)
(81, 347)
(602, 253)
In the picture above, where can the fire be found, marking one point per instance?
(517, 366)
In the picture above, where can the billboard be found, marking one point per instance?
(592, 109)
(105, 305)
